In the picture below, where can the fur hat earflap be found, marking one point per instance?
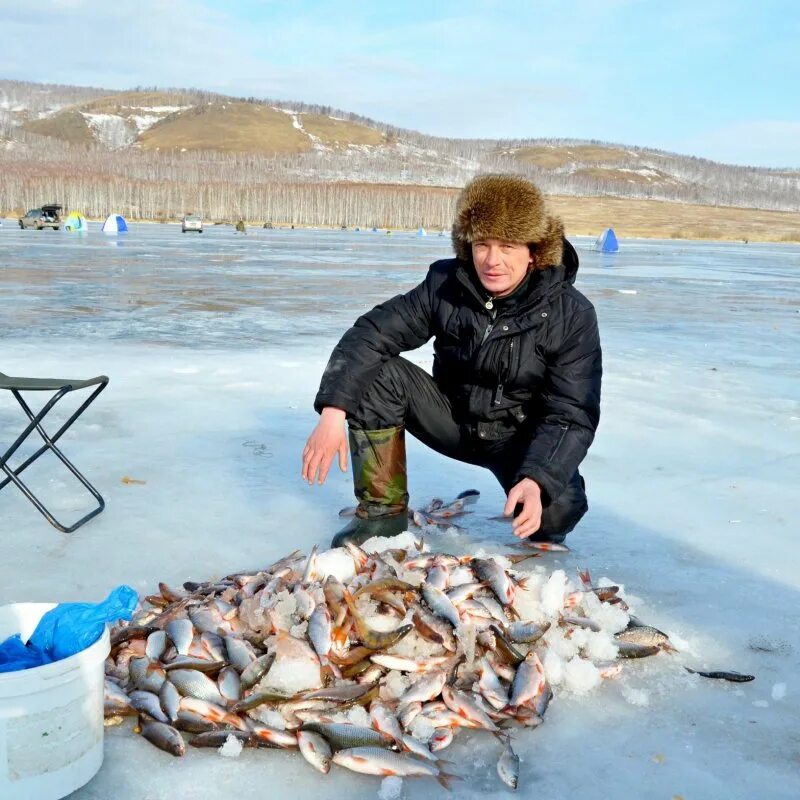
(509, 208)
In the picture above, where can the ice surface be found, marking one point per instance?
(215, 345)
(391, 788)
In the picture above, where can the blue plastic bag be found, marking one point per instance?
(67, 629)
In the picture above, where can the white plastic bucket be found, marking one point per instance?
(51, 717)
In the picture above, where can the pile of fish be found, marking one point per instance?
(369, 658)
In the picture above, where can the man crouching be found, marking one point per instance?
(516, 372)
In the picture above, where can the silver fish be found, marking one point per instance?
(147, 675)
(148, 703)
(181, 632)
(191, 683)
(375, 761)
(315, 750)
(508, 766)
(441, 604)
(170, 700)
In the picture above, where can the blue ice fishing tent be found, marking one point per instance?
(115, 224)
(607, 242)
(421, 232)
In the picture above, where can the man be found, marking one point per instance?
(516, 373)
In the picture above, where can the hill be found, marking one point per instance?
(156, 151)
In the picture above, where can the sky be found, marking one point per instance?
(704, 77)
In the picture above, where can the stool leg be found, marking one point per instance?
(36, 424)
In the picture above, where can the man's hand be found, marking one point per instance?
(529, 520)
(327, 439)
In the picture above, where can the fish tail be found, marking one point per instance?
(446, 779)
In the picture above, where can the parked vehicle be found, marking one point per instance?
(191, 222)
(44, 217)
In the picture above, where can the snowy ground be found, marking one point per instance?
(215, 344)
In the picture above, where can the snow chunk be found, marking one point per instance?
(611, 618)
(337, 562)
(403, 541)
(422, 728)
(581, 676)
(779, 691)
(600, 646)
(553, 593)
(394, 685)
(296, 666)
(357, 715)
(554, 667)
(231, 749)
(269, 717)
(460, 576)
(391, 788)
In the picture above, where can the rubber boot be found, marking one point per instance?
(380, 485)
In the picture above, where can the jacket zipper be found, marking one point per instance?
(564, 429)
(498, 392)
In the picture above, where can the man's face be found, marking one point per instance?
(501, 266)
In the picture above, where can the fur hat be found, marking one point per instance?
(510, 208)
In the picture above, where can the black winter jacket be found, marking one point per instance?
(536, 365)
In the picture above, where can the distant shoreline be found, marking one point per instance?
(589, 216)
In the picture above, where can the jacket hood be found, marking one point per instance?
(509, 208)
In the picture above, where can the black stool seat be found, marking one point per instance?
(46, 384)
(61, 387)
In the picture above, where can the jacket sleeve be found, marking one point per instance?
(400, 324)
(570, 408)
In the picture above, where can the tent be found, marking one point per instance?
(421, 232)
(115, 224)
(607, 242)
(76, 222)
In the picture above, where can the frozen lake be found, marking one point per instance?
(215, 343)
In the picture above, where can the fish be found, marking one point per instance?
(181, 633)
(115, 701)
(465, 706)
(385, 721)
(425, 689)
(256, 670)
(527, 682)
(645, 635)
(375, 761)
(316, 750)
(440, 738)
(526, 632)
(631, 650)
(505, 649)
(402, 664)
(374, 640)
(441, 604)
(191, 683)
(147, 675)
(342, 736)
(163, 736)
(734, 677)
(212, 712)
(319, 632)
(508, 766)
(489, 571)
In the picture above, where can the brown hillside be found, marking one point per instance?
(624, 176)
(333, 132)
(229, 127)
(67, 125)
(119, 103)
(562, 155)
